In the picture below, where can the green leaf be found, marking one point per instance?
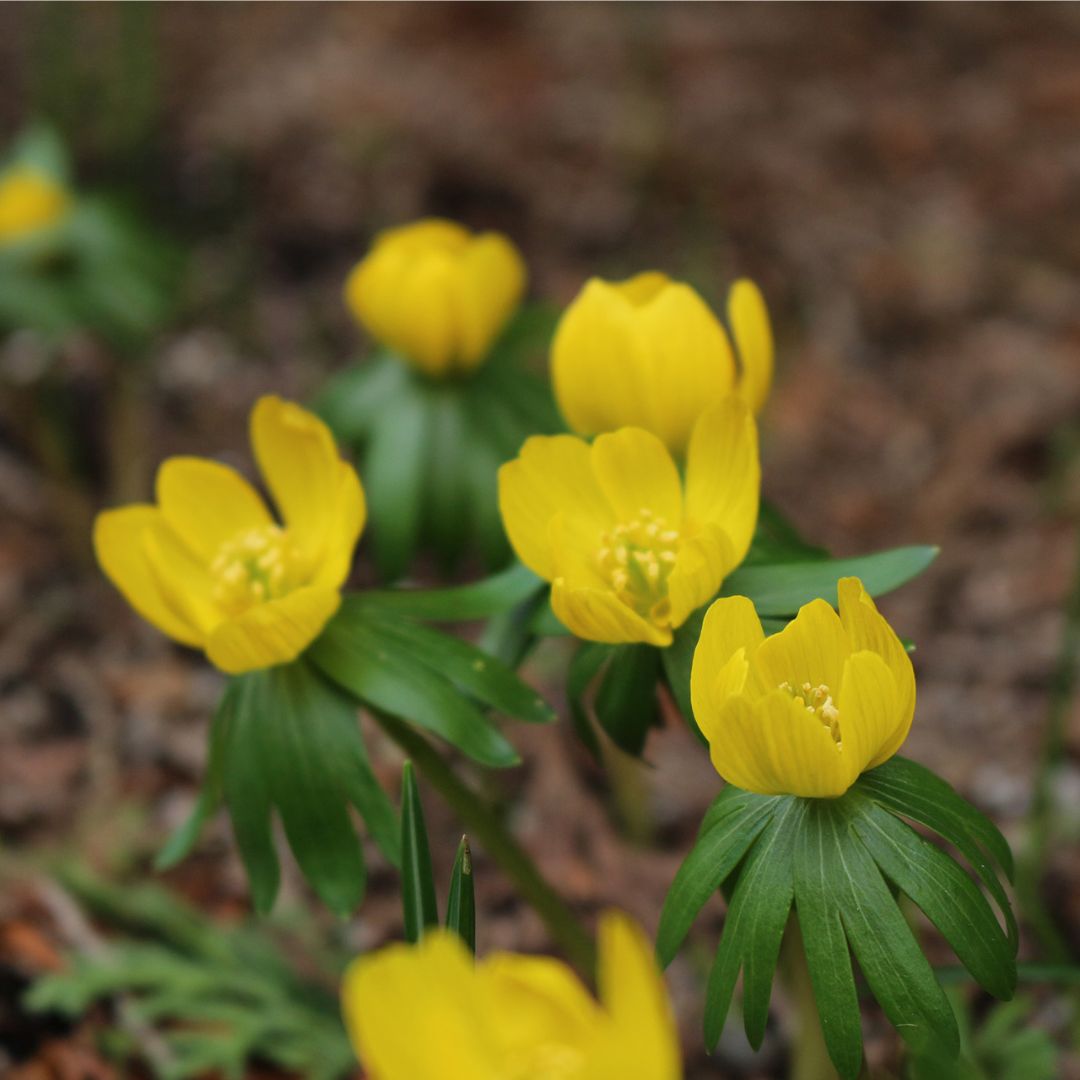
(448, 505)
(678, 658)
(945, 893)
(782, 588)
(735, 822)
(481, 675)
(417, 879)
(394, 480)
(776, 540)
(585, 665)
(460, 603)
(913, 791)
(461, 903)
(352, 400)
(625, 702)
(382, 672)
(754, 927)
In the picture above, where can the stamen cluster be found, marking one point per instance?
(254, 566)
(818, 700)
(637, 557)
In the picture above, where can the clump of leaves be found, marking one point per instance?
(218, 997)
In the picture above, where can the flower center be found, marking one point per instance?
(817, 700)
(254, 566)
(637, 558)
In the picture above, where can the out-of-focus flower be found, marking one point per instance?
(805, 711)
(631, 551)
(648, 353)
(437, 294)
(211, 568)
(29, 201)
(428, 1012)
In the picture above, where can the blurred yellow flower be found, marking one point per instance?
(631, 551)
(428, 1012)
(649, 353)
(805, 711)
(29, 200)
(211, 568)
(437, 294)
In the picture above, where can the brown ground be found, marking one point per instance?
(903, 181)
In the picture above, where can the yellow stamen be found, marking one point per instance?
(254, 566)
(818, 701)
(636, 557)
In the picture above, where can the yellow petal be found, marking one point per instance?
(536, 1002)
(812, 648)
(723, 473)
(182, 576)
(274, 632)
(642, 1039)
(700, 567)
(427, 324)
(867, 629)
(749, 319)
(774, 746)
(870, 720)
(490, 282)
(601, 368)
(416, 1013)
(302, 469)
(731, 625)
(635, 472)
(693, 367)
(599, 615)
(551, 475)
(207, 503)
(349, 517)
(29, 201)
(121, 553)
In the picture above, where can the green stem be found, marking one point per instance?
(485, 827)
(809, 1055)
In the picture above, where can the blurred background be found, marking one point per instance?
(902, 180)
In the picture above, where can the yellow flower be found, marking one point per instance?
(805, 711)
(437, 294)
(29, 200)
(649, 353)
(631, 551)
(210, 567)
(428, 1012)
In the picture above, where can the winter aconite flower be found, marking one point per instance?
(648, 353)
(629, 549)
(429, 1012)
(437, 294)
(29, 201)
(805, 711)
(211, 568)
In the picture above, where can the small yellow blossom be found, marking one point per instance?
(211, 568)
(648, 352)
(630, 550)
(29, 201)
(428, 1012)
(805, 711)
(437, 294)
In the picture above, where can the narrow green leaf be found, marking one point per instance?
(394, 481)
(481, 486)
(898, 973)
(782, 588)
(353, 399)
(776, 540)
(713, 857)
(417, 879)
(461, 903)
(945, 893)
(677, 659)
(353, 654)
(460, 603)
(625, 704)
(481, 675)
(754, 926)
(447, 507)
(818, 871)
(914, 792)
(292, 705)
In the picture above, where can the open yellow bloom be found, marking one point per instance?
(428, 1012)
(805, 711)
(29, 200)
(629, 550)
(648, 353)
(211, 568)
(437, 294)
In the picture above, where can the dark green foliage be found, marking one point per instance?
(417, 880)
(835, 864)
